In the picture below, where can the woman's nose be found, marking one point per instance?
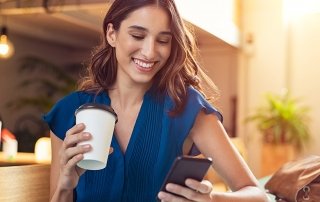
(148, 49)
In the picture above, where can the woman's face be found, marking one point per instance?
(142, 44)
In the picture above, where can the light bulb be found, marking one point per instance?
(6, 47)
(42, 150)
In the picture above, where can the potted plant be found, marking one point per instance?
(49, 80)
(283, 123)
(47, 83)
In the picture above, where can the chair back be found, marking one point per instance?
(28, 183)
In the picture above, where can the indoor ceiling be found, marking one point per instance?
(75, 24)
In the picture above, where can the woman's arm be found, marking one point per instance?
(212, 140)
(55, 195)
(64, 174)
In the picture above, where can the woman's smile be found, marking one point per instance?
(144, 66)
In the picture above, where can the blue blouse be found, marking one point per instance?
(157, 139)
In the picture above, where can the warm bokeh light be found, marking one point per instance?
(42, 150)
(215, 16)
(296, 8)
(6, 47)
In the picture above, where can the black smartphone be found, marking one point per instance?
(186, 167)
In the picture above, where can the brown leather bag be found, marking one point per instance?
(297, 181)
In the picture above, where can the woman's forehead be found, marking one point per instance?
(149, 17)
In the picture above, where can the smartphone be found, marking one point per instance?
(186, 167)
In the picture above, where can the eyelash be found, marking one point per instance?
(139, 38)
(163, 42)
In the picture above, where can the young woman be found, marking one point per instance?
(146, 71)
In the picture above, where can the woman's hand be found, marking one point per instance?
(70, 154)
(195, 191)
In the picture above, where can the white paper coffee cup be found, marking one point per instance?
(99, 121)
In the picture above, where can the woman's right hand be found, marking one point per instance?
(70, 154)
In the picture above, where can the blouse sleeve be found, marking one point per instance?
(61, 117)
(197, 102)
(185, 121)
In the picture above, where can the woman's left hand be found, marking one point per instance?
(195, 191)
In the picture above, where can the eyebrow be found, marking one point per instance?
(146, 30)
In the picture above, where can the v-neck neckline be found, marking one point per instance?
(136, 128)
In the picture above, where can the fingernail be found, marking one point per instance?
(86, 146)
(80, 125)
(161, 195)
(170, 187)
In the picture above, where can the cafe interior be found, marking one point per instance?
(262, 55)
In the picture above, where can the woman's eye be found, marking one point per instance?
(137, 37)
(163, 41)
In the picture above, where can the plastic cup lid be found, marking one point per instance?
(97, 106)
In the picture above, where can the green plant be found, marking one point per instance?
(283, 120)
(42, 84)
(48, 80)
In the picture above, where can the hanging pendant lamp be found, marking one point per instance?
(6, 47)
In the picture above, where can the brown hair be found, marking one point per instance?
(180, 71)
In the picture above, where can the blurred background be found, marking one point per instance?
(262, 55)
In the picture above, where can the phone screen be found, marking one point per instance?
(186, 167)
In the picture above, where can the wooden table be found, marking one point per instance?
(25, 183)
(20, 159)
(23, 178)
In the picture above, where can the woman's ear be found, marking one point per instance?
(111, 35)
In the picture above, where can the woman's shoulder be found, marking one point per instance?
(77, 97)
(61, 116)
(79, 94)
(196, 102)
(193, 93)
(72, 101)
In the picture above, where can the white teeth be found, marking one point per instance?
(143, 64)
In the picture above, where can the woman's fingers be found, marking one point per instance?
(184, 193)
(75, 135)
(70, 165)
(74, 139)
(110, 150)
(75, 129)
(80, 149)
(168, 197)
(196, 191)
(70, 151)
(203, 187)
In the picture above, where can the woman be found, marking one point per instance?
(146, 70)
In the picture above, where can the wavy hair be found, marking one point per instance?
(180, 71)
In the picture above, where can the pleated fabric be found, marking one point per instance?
(157, 139)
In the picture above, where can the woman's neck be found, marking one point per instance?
(126, 97)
